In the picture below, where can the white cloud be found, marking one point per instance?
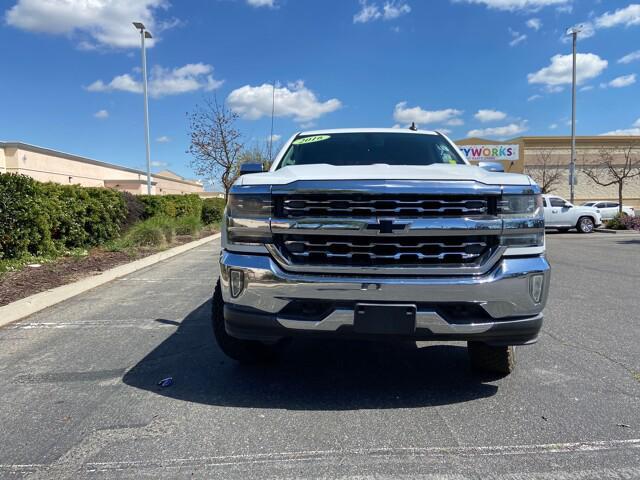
(101, 114)
(586, 88)
(163, 139)
(367, 13)
(390, 10)
(93, 22)
(502, 132)
(163, 81)
(455, 122)
(534, 97)
(262, 3)
(275, 138)
(534, 23)
(444, 131)
(554, 88)
(406, 115)
(489, 116)
(394, 9)
(627, 16)
(294, 100)
(553, 126)
(631, 57)
(559, 72)
(516, 38)
(157, 163)
(623, 81)
(513, 5)
(635, 130)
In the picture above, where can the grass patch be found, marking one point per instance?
(188, 226)
(15, 264)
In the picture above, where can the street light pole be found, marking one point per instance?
(572, 167)
(144, 34)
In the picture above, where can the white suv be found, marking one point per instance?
(562, 215)
(608, 210)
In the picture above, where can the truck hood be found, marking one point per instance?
(436, 172)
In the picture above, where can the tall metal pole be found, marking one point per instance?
(143, 35)
(572, 167)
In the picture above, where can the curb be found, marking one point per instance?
(620, 232)
(27, 306)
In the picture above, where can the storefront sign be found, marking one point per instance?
(491, 153)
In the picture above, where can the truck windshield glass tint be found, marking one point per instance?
(371, 148)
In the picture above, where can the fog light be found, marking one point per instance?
(236, 282)
(536, 284)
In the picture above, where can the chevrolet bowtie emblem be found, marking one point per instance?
(387, 226)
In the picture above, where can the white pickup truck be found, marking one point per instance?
(381, 233)
(564, 216)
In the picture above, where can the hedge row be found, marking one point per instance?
(173, 206)
(212, 210)
(45, 218)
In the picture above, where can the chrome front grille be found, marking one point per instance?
(330, 205)
(375, 251)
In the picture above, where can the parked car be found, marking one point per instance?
(564, 216)
(381, 234)
(608, 210)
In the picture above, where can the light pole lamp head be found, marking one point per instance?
(147, 34)
(139, 25)
(575, 30)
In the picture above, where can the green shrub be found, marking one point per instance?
(152, 232)
(47, 218)
(188, 225)
(144, 234)
(135, 210)
(617, 223)
(212, 210)
(166, 225)
(24, 218)
(174, 206)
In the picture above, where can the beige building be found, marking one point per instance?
(552, 154)
(48, 165)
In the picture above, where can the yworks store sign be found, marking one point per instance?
(491, 153)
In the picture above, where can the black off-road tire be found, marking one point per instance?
(248, 352)
(489, 359)
(585, 225)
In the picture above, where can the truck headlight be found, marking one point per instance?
(249, 205)
(521, 206)
(523, 240)
(523, 222)
(248, 217)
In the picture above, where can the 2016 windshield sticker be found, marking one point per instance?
(316, 138)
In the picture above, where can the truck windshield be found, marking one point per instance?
(370, 148)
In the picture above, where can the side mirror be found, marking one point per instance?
(568, 205)
(246, 168)
(492, 166)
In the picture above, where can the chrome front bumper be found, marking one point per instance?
(503, 293)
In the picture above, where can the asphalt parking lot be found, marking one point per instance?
(79, 395)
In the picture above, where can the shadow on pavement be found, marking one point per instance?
(311, 375)
(631, 241)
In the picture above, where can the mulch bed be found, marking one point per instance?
(31, 280)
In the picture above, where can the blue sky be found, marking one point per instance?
(492, 68)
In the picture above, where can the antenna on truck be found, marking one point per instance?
(413, 127)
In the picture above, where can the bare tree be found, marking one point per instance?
(546, 172)
(215, 143)
(616, 166)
